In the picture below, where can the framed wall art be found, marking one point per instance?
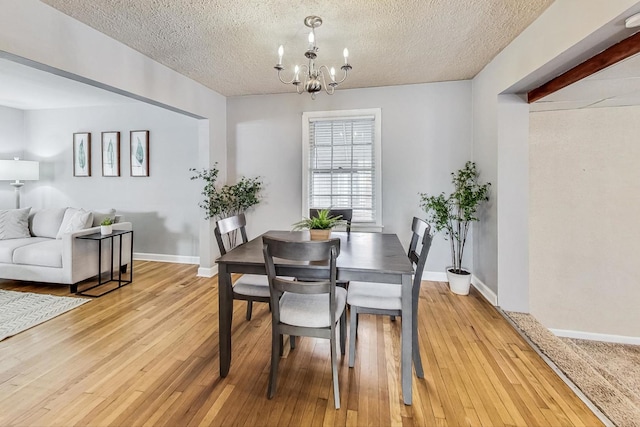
(139, 151)
(110, 153)
(82, 154)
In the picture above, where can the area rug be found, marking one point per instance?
(609, 377)
(20, 311)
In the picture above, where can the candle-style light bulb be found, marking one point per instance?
(280, 53)
(312, 38)
(333, 73)
(345, 53)
(296, 70)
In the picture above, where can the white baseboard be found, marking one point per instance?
(618, 339)
(439, 276)
(178, 259)
(434, 276)
(208, 272)
(485, 291)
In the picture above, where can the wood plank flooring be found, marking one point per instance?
(147, 355)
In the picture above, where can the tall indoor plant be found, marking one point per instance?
(223, 201)
(454, 214)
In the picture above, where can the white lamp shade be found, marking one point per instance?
(19, 170)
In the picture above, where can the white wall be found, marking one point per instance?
(426, 134)
(162, 207)
(11, 145)
(545, 40)
(585, 198)
(41, 36)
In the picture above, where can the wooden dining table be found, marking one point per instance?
(370, 257)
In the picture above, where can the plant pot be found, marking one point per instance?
(459, 283)
(320, 234)
(106, 229)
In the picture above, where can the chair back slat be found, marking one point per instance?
(314, 250)
(421, 234)
(230, 225)
(345, 214)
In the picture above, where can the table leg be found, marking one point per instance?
(225, 313)
(407, 332)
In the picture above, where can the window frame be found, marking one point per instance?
(377, 152)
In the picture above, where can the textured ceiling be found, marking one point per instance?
(231, 45)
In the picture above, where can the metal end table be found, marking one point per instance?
(109, 237)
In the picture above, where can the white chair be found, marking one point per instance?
(385, 299)
(305, 308)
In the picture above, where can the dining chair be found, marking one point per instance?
(308, 308)
(249, 287)
(386, 298)
(345, 214)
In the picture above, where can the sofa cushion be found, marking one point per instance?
(7, 247)
(46, 222)
(14, 223)
(99, 216)
(74, 220)
(47, 253)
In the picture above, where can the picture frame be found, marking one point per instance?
(111, 153)
(82, 154)
(139, 152)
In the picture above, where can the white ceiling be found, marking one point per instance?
(27, 88)
(230, 45)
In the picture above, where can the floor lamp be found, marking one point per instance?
(19, 170)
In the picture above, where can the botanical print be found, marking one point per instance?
(81, 154)
(110, 153)
(139, 153)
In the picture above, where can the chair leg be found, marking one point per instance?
(281, 340)
(334, 371)
(276, 351)
(249, 309)
(393, 318)
(352, 336)
(292, 342)
(343, 332)
(415, 343)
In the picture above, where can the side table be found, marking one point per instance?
(109, 237)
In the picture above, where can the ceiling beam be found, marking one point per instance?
(619, 51)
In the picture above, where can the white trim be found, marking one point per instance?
(618, 339)
(178, 259)
(484, 290)
(309, 116)
(434, 276)
(487, 293)
(208, 272)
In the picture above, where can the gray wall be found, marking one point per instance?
(426, 134)
(11, 145)
(585, 201)
(162, 207)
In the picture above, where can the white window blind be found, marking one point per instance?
(342, 165)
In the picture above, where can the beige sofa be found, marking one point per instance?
(51, 252)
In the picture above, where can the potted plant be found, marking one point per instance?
(320, 226)
(454, 214)
(227, 200)
(106, 226)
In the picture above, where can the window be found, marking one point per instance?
(341, 163)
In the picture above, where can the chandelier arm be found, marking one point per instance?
(346, 69)
(329, 88)
(282, 80)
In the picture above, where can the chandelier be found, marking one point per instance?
(308, 77)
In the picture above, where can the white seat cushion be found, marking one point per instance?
(310, 311)
(254, 285)
(7, 247)
(383, 296)
(47, 254)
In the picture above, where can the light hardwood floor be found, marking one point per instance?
(147, 354)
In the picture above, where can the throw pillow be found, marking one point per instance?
(99, 216)
(14, 224)
(46, 222)
(74, 220)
